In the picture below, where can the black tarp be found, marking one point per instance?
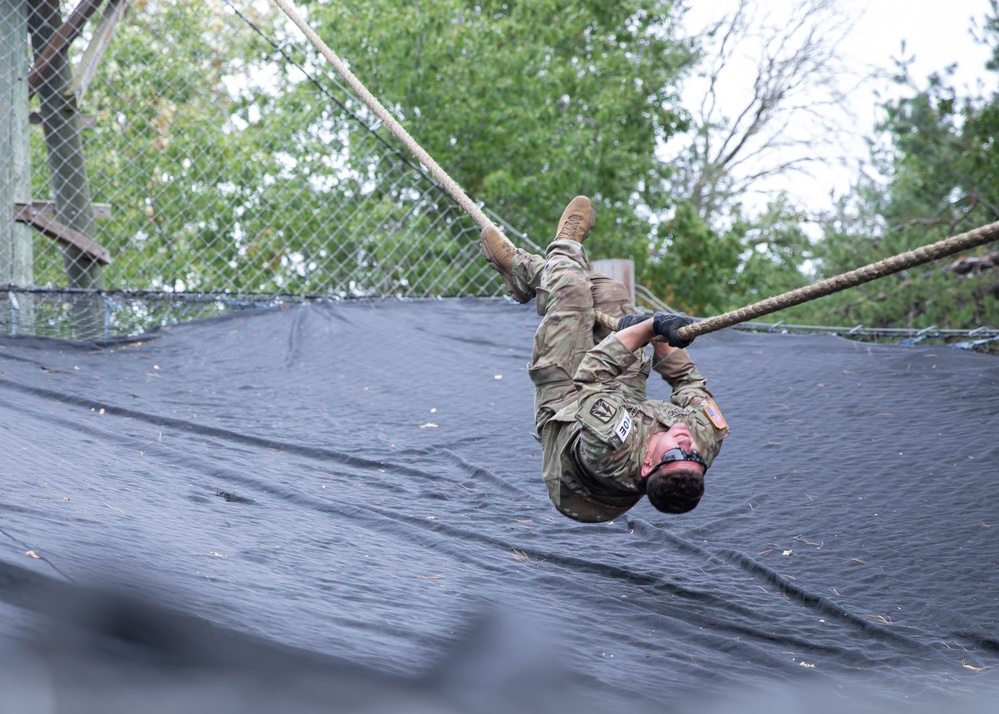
(338, 506)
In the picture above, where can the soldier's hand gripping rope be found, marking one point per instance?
(667, 325)
(664, 324)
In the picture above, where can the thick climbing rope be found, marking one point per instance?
(449, 184)
(880, 269)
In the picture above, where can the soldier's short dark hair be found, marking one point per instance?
(677, 490)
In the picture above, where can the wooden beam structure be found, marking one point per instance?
(47, 208)
(87, 67)
(83, 259)
(62, 233)
(60, 40)
(84, 121)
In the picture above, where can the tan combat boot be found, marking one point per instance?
(577, 220)
(499, 253)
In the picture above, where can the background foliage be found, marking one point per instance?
(935, 160)
(527, 104)
(234, 161)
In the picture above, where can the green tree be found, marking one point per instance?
(761, 78)
(935, 161)
(720, 250)
(164, 153)
(775, 253)
(233, 161)
(693, 268)
(703, 271)
(526, 104)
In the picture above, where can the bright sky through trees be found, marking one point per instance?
(935, 34)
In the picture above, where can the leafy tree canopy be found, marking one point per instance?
(936, 160)
(529, 103)
(228, 167)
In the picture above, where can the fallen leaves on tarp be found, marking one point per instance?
(974, 668)
(880, 619)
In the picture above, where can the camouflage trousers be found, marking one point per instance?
(567, 292)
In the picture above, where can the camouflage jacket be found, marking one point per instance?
(594, 446)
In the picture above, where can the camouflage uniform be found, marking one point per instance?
(591, 411)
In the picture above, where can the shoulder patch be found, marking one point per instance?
(603, 411)
(715, 415)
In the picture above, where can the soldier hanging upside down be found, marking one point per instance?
(605, 445)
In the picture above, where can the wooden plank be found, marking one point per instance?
(62, 39)
(85, 71)
(62, 233)
(86, 121)
(619, 269)
(47, 208)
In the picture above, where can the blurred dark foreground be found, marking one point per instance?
(79, 650)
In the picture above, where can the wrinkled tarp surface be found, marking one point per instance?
(339, 507)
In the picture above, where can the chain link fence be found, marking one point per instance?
(163, 160)
(183, 150)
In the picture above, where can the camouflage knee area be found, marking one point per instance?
(525, 276)
(562, 340)
(560, 256)
(565, 276)
(610, 297)
(566, 331)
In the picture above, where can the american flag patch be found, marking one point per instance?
(715, 415)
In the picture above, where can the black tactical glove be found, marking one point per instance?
(626, 321)
(666, 324)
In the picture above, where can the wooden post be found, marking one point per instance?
(70, 185)
(619, 269)
(16, 259)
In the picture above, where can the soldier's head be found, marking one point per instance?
(673, 471)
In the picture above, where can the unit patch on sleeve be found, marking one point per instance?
(715, 415)
(623, 427)
(603, 411)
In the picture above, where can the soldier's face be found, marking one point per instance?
(678, 436)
